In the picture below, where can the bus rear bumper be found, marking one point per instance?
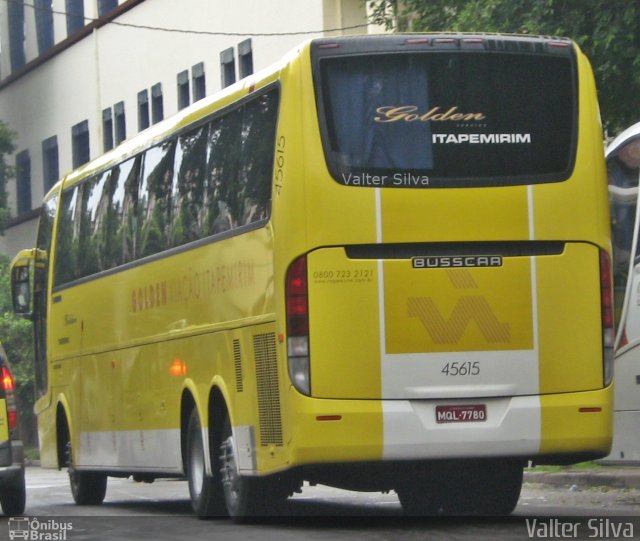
(557, 428)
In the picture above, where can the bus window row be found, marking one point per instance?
(213, 178)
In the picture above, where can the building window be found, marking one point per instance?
(105, 6)
(197, 79)
(16, 34)
(120, 122)
(80, 143)
(107, 129)
(245, 58)
(75, 15)
(23, 182)
(157, 105)
(50, 163)
(143, 110)
(44, 24)
(183, 89)
(228, 67)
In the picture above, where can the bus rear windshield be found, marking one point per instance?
(448, 118)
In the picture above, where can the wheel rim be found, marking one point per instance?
(73, 475)
(229, 473)
(196, 465)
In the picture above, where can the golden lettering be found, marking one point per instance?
(193, 286)
(409, 113)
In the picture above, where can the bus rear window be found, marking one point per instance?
(447, 118)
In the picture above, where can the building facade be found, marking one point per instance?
(79, 76)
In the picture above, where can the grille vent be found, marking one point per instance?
(237, 363)
(264, 347)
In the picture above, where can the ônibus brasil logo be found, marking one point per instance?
(35, 529)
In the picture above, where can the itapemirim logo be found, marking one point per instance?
(34, 529)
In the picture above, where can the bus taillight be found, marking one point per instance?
(8, 385)
(606, 304)
(297, 303)
(7, 380)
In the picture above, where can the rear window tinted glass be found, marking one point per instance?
(445, 119)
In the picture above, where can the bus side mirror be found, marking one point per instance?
(22, 283)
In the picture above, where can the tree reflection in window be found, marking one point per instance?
(209, 180)
(154, 201)
(65, 265)
(121, 221)
(188, 189)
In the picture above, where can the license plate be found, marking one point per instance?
(472, 413)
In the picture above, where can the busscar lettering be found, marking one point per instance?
(446, 262)
(408, 113)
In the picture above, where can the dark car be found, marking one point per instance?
(12, 483)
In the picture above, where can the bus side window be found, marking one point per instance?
(258, 144)
(94, 208)
(65, 265)
(188, 190)
(122, 218)
(224, 162)
(154, 200)
(41, 294)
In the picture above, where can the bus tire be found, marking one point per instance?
(13, 497)
(205, 490)
(479, 487)
(422, 496)
(500, 488)
(87, 488)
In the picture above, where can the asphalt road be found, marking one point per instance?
(161, 511)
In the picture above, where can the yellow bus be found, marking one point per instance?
(381, 264)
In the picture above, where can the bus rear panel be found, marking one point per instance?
(457, 254)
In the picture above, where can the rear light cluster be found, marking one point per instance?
(297, 303)
(8, 385)
(606, 304)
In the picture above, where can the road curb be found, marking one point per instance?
(619, 478)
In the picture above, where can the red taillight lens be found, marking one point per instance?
(606, 307)
(297, 298)
(8, 385)
(7, 380)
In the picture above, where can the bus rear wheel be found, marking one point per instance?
(247, 497)
(205, 490)
(87, 488)
(498, 487)
(482, 487)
